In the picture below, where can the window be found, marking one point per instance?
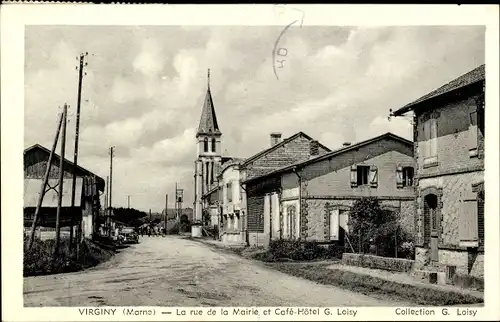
(407, 176)
(430, 142)
(205, 145)
(472, 140)
(214, 145)
(362, 174)
(211, 172)
(229, 191)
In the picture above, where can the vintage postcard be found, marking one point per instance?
(249, 162)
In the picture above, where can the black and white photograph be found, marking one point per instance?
(315, 169)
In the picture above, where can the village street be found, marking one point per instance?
(175, 271)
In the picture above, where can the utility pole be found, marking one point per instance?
(110, 208)
(75, 158)
(106, 203)
(128, 201)
(176, 205)
(166, 213)
(45, 180)
(61, 181)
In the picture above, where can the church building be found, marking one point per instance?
(208, 161)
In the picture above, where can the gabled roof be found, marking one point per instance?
(472, 77)
(208, 121)
(282, 143)
(334, 154)
(69, 163)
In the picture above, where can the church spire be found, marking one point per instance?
(208, 79)
(208, 120)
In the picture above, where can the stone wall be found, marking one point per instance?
(317, 210)
(453, 189)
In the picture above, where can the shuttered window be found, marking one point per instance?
(363, 173)
(429, 144)
(468, 223)
(472, 134)
(480, 217)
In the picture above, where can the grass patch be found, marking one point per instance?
(38, 260)
(370, 285)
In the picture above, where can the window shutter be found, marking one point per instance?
(373, 176)
(399, 176)
(480, 217)
(354, 176)
(468, 230)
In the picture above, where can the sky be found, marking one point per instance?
(144, 88)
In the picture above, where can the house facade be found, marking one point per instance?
(231, 202)
(260, 197)
(87, 189)
(310, 200)
(449, 151)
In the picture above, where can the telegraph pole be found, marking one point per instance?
(176, 204)
(106, 203)
(166, 213)
(45, 180)
(61, 181)
(75, 157)
(110, 208)
(128, 201)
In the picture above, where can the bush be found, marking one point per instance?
(39, 259)
(377, 230)
(378, 262)
(297, 250)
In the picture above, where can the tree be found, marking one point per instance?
(372, 225)
(129, 216)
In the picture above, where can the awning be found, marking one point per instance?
(32, 191)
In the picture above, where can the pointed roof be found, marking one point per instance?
(208, 120)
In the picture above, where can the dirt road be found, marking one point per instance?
(174, 271)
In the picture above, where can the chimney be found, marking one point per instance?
(314, 148)
(275, 138)
(346, 144)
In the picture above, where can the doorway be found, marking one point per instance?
(432, 222)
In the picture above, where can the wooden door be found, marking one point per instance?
(431, 211)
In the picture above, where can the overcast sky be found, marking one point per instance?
(144, 89)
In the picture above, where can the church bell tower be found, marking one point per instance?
(208, 142)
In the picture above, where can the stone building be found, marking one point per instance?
(310, 200)
(257, 198)
(449, 151)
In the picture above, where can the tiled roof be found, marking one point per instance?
(208, 120)
(474, 76)
(328, 155)
(274, 147)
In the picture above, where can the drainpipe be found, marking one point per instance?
(300, 200)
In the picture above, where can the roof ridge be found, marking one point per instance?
(335, 152)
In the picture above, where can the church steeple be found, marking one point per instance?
(208, 121)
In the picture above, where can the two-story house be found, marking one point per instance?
(257, 199)
(449, 151)
(310, 200)
(230, 200)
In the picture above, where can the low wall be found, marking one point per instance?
(378, 262)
